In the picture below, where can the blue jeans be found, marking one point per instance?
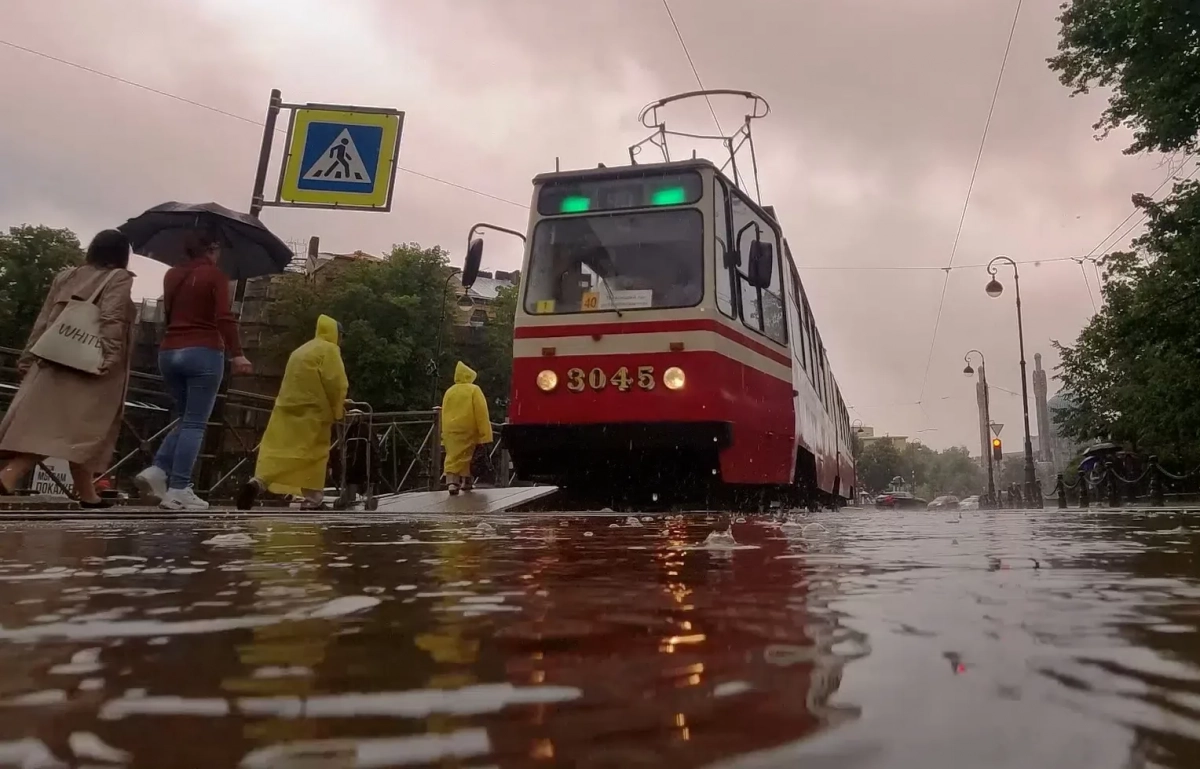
(192, 377)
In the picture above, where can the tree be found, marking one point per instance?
(493, 356)
(879, 462)
(1132, 374)
(30, 257)
(389, 314)
(952, 471)
(1148, 53)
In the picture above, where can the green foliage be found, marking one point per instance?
(1148, 53)
(29, 259)
(952, 471)
(492, 358)
(390, 314)
(1133, 373)
(878, 463)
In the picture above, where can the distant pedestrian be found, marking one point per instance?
(201, 332)
(63, 412)
(294, 453)
(465, 425)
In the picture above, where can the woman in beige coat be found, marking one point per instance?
(66, 414)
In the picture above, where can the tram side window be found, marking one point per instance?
(799, 344)
(721, 235)
(812, 348)
(828, 387)
(762, 310)
(824, 383)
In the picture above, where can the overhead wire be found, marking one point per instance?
(1135, 212)
(970, 188)
(930, 268)
(233, 115)
(692, 64)
(1087, 283)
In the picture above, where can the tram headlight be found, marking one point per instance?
(547, 380)
(673, 378)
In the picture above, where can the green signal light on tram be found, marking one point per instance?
(574, 204)
(668, 196)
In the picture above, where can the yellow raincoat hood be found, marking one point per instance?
(464, 374)
(312, 396)
(327, 329)
(465, 421)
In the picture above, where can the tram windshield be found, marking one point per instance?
(633, 261)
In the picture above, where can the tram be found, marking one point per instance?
(664, 347)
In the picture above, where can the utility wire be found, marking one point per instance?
(692, 64)
(235, 116)
(1135, 212)
(929, 268)
(1086, 282)
(970, 187)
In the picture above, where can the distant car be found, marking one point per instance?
(946, 502)
(899, 500)
(970, 503)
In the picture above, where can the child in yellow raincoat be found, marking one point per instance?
(294, 453)
(465, 425)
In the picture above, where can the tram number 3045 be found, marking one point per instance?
(623, 379)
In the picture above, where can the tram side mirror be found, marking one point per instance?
(471, 263)
(762, 262)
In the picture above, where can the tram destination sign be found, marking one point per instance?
(588, 195)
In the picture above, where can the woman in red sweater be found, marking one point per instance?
(201, 332)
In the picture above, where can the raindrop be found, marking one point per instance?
(588, 534)
(632, 522)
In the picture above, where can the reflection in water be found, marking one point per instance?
(849, 640)
(282, 659)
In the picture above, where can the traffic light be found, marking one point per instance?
(997, 449)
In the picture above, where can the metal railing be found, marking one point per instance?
(407, 444)
(1137, 482)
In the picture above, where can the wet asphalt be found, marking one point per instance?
(861, 638)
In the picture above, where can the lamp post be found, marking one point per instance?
(994, 289)
(469, 273)
(436, 363)
(987, 417)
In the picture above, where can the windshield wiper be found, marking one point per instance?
(611, 297)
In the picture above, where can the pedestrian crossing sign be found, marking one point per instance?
(341, 157)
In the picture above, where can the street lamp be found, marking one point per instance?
(470, 272)
(987, 415)
(994, 289)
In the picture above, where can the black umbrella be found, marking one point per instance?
(248, 249)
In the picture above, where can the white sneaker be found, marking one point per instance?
(151, 483)
(182, 499)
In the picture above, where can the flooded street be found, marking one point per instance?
(854, 639)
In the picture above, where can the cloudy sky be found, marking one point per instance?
(878, 111)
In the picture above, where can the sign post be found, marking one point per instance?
(336, 157)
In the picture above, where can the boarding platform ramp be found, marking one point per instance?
(478, 501)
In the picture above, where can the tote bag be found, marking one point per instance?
(73, 339)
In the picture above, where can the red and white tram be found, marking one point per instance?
(664, 347)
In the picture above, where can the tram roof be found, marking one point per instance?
(650, 169)
(641, 169)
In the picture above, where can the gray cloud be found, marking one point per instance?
(877, 114)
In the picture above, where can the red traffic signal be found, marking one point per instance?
(997, 449)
